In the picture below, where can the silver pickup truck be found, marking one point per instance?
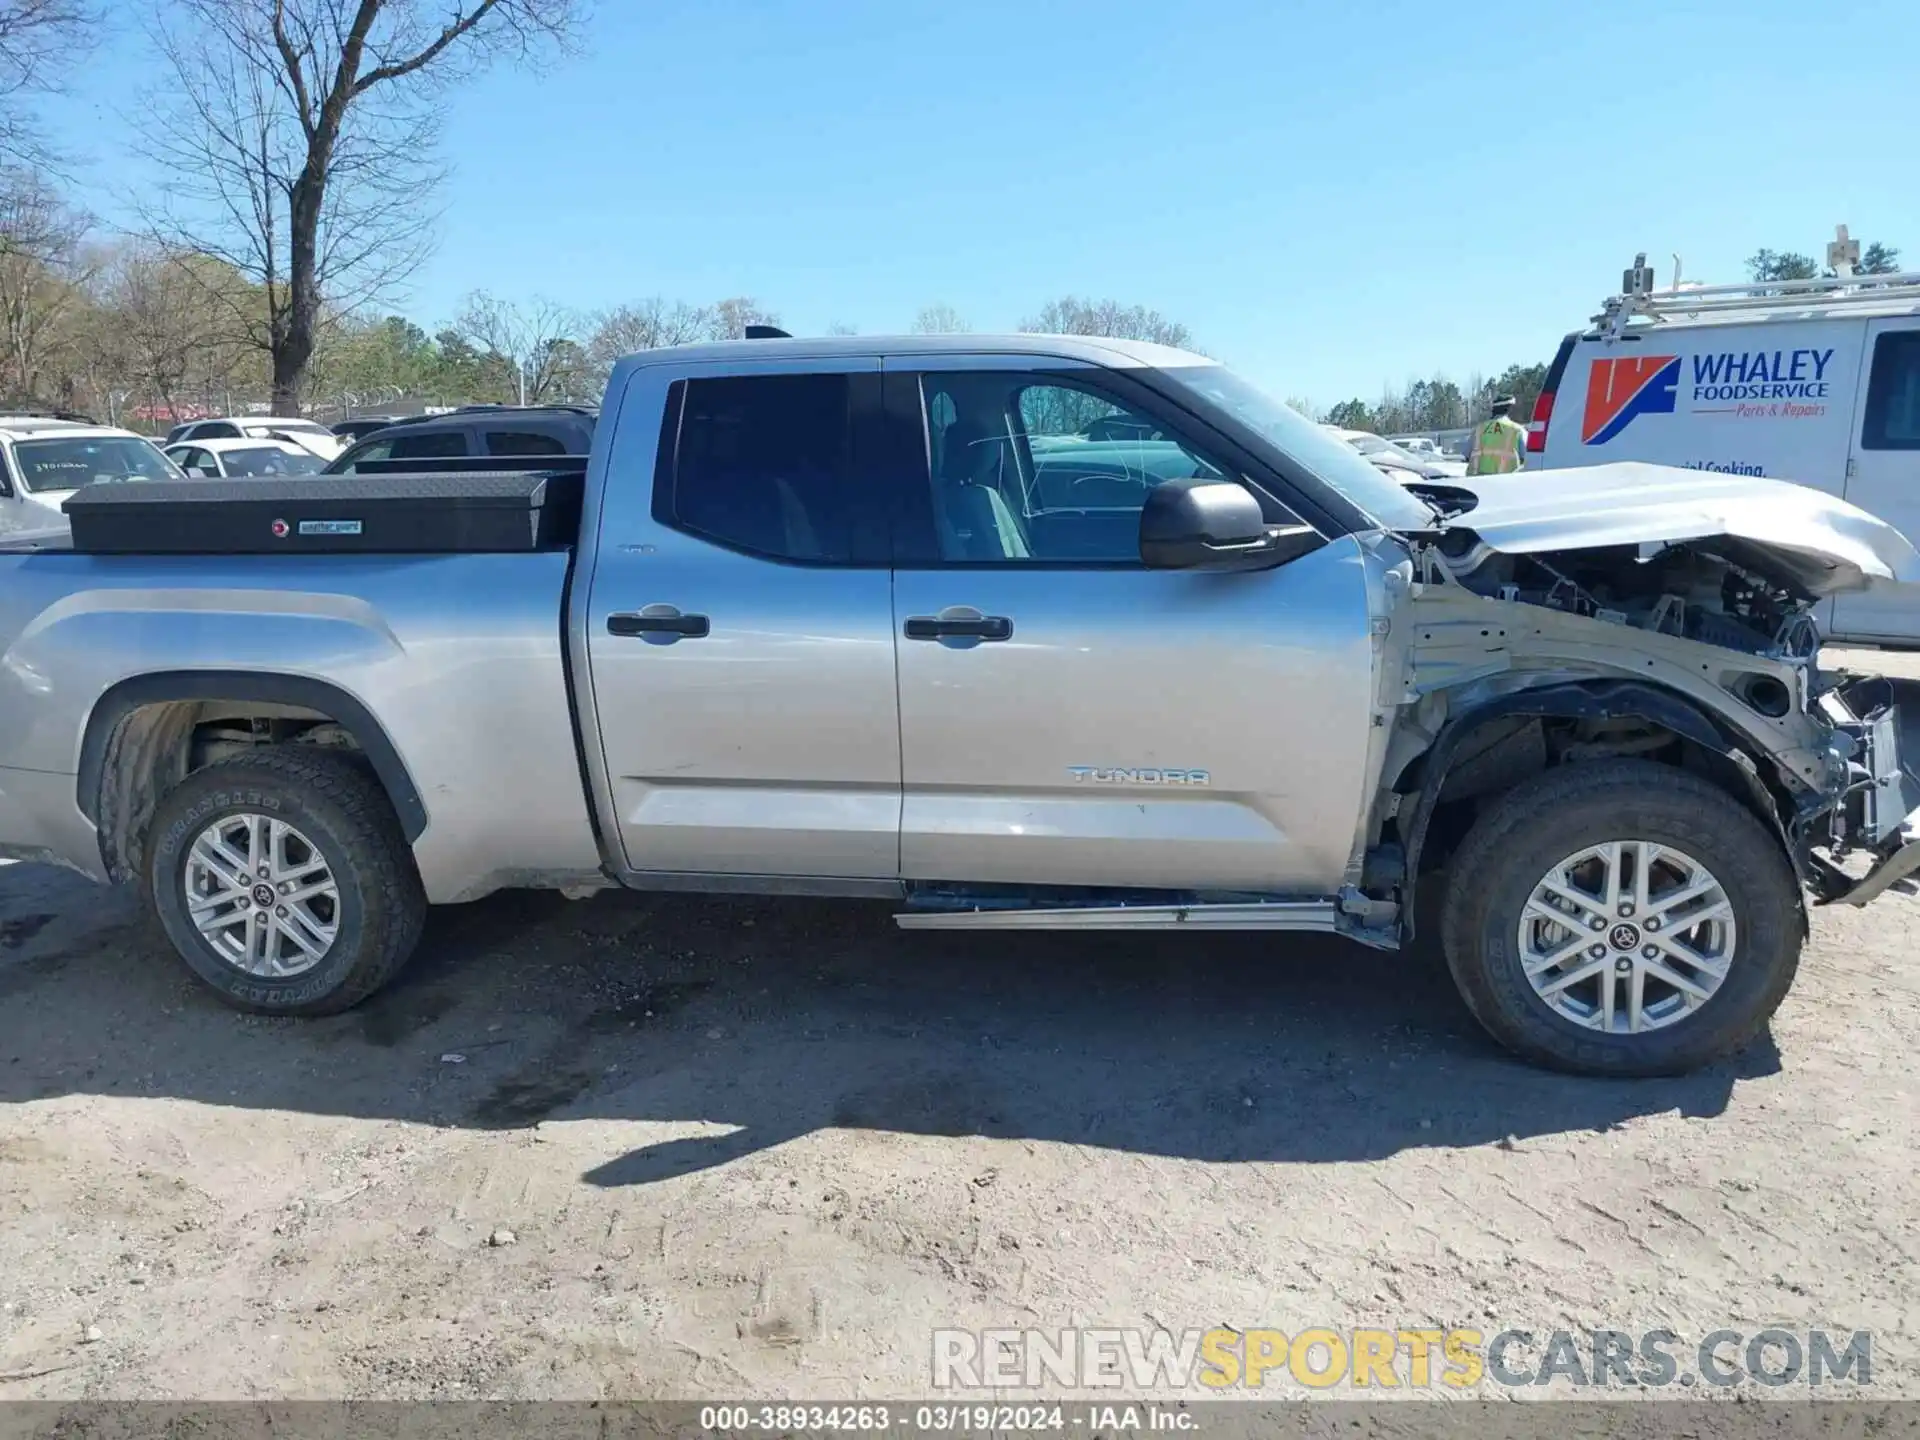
(1020, 632)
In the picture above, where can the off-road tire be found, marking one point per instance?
(1562, 811)
(332, 799)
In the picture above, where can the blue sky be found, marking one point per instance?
(1332, 197)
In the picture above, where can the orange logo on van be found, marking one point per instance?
(1618, 390)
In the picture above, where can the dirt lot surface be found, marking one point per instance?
(677, 1147)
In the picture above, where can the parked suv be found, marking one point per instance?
(481, 430)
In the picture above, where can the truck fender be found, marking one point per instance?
(1578, 700)
(120, 700)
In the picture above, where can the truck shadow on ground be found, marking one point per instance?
(769, 1020)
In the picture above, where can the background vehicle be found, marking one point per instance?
(361, 426)
(309, 435)
(762, 647)
(533, 432)
(1814, 381)
(1425, 447)
(1386, 454)
(227, 459)
(44, 460)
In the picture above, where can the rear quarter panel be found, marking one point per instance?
(1774, 399)
(459, 657)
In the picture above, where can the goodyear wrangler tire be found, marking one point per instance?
(1622, 918)
(283, 880)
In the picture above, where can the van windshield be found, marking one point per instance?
(1331, 459)
(67, 464)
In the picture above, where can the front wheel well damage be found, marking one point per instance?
(144, 738)
(1492, 748)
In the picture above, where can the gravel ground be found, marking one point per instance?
(650, 1146)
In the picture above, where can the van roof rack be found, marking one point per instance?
(1638, 301)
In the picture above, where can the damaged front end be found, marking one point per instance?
(1546, 620)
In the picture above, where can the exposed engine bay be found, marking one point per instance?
(1687, 590)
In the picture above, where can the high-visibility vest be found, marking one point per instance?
(1497, 448)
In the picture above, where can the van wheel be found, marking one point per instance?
(283, 880)
(1622, 918)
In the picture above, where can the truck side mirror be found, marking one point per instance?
(1204, 524)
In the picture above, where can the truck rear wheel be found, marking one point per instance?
(1622, 918)
(283, 880)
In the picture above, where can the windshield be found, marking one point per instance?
(1332, 460)
(1372, 446)
(267, 461)
(69, 464)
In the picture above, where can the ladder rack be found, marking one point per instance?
(1639, 301)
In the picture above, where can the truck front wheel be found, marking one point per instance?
(283, 880)
(1621, 918)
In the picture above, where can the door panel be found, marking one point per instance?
(1885, 473)
(1009, 748)
(747, 706)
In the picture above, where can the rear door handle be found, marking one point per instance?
(942, 627)
(661, 624)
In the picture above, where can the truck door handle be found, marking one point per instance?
(944, 627)
(662, 621)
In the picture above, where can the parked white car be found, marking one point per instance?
(1425, 447)
(309, 435)
(43, 461)
(1389, 456)
(240, 459)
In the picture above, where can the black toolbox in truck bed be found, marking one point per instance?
(390, 513)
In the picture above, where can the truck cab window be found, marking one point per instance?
(762, 464)
(1030, 469)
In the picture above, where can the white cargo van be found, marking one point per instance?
(1814, 381)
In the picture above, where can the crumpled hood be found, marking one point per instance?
(1796, 536)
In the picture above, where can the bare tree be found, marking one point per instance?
(42, 272)
(167, 334)
(939, 319)
(39, 40)
(536, 339)
(1071, 315)
(301, 139)
(730, 318)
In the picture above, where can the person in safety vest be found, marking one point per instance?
(1499, 446)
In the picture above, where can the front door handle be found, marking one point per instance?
(662, 624)
(951, 627)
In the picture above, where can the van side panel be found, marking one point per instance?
(1769, 399)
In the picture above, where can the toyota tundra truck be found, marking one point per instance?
(1027, 632)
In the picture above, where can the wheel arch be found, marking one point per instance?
(1731, 767)
(143, 760)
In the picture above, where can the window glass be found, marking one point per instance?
(1040, 469)
(1893, 394)
(1331, 460)
(270, 460)
(523, 442)
(402, 445)
(432, 445)
(69, 464)
(217, 431)
(763, 464)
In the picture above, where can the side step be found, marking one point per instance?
(1320, 916)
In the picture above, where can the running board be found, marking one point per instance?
(1321, 916)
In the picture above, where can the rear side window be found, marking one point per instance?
(760, 463)
(1893, 394)
(523, 442)
(431, 446)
